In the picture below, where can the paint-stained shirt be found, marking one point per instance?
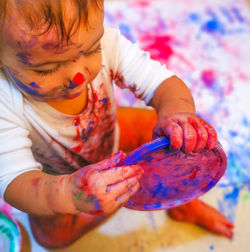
(35, 136)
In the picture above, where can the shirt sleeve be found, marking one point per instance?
(132, 67)
(15, 146)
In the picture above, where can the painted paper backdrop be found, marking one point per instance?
(207, 44)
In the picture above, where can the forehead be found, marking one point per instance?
(57, 31)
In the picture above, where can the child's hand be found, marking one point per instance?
(103, 187)
(186, 131)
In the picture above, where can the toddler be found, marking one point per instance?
(59, 126)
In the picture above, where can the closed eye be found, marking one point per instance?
(48, 72)
(95, 51)
(54, 70)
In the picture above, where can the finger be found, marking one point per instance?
(110, 162)
(212, 135)
(202, 135)
(189, 137)
(174, 133)
(121, 173)
(125, 197)
(123, 187)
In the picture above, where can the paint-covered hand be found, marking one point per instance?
(102, 188)
(186, 131)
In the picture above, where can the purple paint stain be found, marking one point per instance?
(50, 46)
(208, 77)
(24, 57)
(28, 44)
(86, 132)
(79, 46)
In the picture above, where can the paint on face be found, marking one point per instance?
(78, 79)
(25, 88)
(24, 57)
(34, 85)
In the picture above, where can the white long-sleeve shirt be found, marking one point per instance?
(35, 136)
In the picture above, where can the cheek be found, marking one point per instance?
(93, 65)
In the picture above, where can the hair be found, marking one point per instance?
(48, 14)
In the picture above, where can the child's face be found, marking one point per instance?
(46, 72)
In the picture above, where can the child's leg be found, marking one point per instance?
(59, 231)
(136, 127)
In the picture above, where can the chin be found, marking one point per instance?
(73, 96)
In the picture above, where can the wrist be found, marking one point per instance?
(59, 196)
(173, 107)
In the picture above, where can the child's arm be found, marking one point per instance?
(97, 189)
(177, 120)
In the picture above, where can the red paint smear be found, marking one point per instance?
(35, 181)
(95, 97)
(61, 180)
(78, 148)
(78, 79)
(74, 61)
(78, 134)
(194, 173)
(96, 212)
(77, 121)
(83, 184)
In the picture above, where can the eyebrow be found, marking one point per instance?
(63, 61)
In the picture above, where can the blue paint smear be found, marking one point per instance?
(72, 85)
(227, 14)
(34, 85)
(126, 31)
(238, 15)
(228, 204)
(152, 206)
(211, 247)
(24, 87)
(195, 17)
(212, 26)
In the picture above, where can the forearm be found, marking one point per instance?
(39, 193)
(172, 96)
